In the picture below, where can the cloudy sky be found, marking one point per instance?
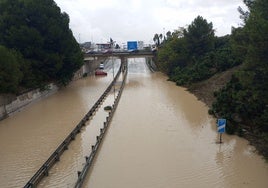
(125, 20)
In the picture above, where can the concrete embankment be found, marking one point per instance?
(10, 104)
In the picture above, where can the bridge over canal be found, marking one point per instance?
(123, 55)
(120, 54)
(92, 60)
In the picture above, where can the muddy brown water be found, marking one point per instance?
(160, 137)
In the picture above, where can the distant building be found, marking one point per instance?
(140, 45)
(86, 46)
(103, 46)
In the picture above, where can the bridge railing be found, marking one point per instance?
(140, 53)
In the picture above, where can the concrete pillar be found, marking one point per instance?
(124, 63)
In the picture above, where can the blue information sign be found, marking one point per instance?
(132, 45)
(221, 125)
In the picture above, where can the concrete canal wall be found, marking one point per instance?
(10, 104)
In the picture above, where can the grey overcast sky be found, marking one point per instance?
(126, 20)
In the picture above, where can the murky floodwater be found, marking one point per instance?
(160, 137)
(29, 137)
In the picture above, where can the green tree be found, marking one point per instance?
(10, 74)
(200, 37)
(172, 54)
(247, 91)
(169, 35)
(257, 62)
(161, 37)
(194, 54)
(156, 39)
(178, 33)
(40, 32)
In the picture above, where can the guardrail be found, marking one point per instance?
(55, 157)
(121, 54)
(94, 148)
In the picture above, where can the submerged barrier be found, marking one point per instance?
(94, 148)
(55, 156)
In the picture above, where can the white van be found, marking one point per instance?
(101, 66)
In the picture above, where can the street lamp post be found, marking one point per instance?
(112, 45)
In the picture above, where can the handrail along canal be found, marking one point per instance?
(55, 156)
(94, 148)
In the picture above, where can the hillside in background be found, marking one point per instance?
(205, 89)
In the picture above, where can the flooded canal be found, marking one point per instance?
(160, 137)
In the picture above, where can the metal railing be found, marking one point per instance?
(55, 157)
(94, 148)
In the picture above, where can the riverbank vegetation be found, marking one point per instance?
(36, 46)
(194, 54)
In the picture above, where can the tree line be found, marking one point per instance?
(36, 46)
(192, 54)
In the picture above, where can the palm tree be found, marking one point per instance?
(156, 39)
(161, 37)
(168, 35)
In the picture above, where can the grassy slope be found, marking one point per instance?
(204, 90)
